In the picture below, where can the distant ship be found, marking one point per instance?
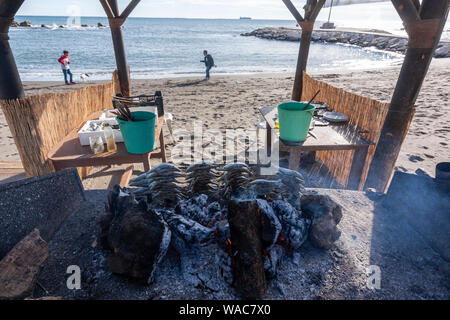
(246, 18)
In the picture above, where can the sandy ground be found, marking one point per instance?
(233, 102)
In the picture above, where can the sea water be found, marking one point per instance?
(160, 48)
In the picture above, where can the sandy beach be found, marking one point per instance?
(233, 102)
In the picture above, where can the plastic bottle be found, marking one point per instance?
(109, 137)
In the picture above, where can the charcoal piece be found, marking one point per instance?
(272, 261)
(247, 246)
(189, 230)
(325, 215)
(135, 237)
(271, 226)
(295, 227)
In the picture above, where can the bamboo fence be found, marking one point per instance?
(39, 122)
(368, 114)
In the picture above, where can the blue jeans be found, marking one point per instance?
(207, 72)
(68, 72)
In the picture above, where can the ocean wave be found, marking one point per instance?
(61, 27)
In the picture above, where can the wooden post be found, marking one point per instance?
(312, 10)
(116, 20)
(10, 83)
(424, 25)
(246, 238)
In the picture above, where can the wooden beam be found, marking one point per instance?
(126, 177)
(415, 67)
(115, 24)
(316, 10)
(416, 4)
(312, 10)
(302, 61)
(114, 7)
(107, 8)
(406, 10)
(298, 17)
(10, 84)
(129, 9)
(430, 9)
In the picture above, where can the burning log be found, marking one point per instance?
(325, 215)
(246, 238)
(136, 237)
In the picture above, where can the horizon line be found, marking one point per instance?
(139, 17)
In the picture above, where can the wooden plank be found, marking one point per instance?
(359, 161)
(126, 177)
(20, 267)
(83, 172)
(7, 168)
(129, 8)
(11, 165)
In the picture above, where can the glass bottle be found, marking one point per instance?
(109, 137)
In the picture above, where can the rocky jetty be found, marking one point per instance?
(25, 24)
(381, 41)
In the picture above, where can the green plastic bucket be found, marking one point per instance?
(139, 135)
(294, 121)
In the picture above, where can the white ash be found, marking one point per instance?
(295, 227)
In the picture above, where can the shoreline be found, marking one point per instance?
(363, 38)
(217, 102)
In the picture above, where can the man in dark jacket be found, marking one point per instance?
(209, 62)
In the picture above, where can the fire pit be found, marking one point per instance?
(229, 219)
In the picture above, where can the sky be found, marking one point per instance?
(228, 9)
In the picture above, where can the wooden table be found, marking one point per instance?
(332, 137)
(69, 153)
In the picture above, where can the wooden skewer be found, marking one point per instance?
(312, 99)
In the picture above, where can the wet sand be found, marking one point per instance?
(231, 102)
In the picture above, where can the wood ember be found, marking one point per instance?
(271, 226)
(325, 215)
(20, 267)
(272, 260)
(135, 237)
(246, 237)
(295, 227)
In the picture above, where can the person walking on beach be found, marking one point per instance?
(209, 62)
(65, 66)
